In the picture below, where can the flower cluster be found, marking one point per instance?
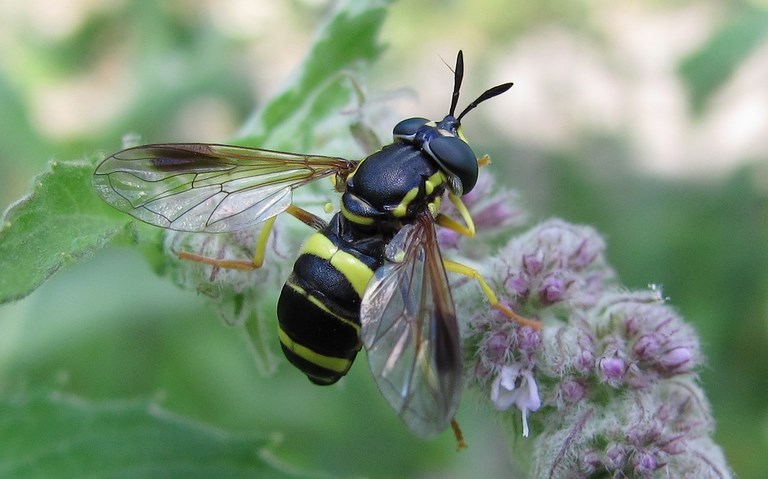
(609, 382)
(661, 431)
(553, 264)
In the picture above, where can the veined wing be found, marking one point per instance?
(207, 187)
(410, 332)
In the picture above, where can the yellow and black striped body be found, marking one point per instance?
(319, 307)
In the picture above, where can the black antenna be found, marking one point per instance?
(489, 93)
(458, 75)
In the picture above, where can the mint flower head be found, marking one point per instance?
(608, 387)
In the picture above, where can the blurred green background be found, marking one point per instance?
(647, 120)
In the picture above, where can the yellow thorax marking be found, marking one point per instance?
(402, 208)
(433, 182)
(429, 186)
(361, 220)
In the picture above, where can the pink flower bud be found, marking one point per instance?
(552, 289)
(677, 359)
(645, 463)
(587, 251)
(518, 285)
(646, 347)
(497, 345)
(533, 263)
(572, 391)
(528, 340)
(585, 362)
(613, 368)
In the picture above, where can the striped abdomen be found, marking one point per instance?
(319, 306)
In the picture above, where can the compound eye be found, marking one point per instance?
(457, 158)
(406, 129)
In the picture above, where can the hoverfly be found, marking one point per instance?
(372, 276)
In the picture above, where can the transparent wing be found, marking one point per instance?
(206, 187)
(410, 332)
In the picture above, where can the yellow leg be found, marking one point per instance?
(460, 444)
(254, 263)
(450, 223)
(474, 274)
(259, 252)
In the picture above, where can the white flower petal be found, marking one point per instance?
(515, 386)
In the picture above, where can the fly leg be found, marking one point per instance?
(310, 219)
(474, 274)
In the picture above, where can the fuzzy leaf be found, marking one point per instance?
(58, 223)
(347, 42)
(53, 435)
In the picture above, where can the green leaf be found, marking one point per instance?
(349, 41)
(709, 68)
(54, 435)
(58, 223)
